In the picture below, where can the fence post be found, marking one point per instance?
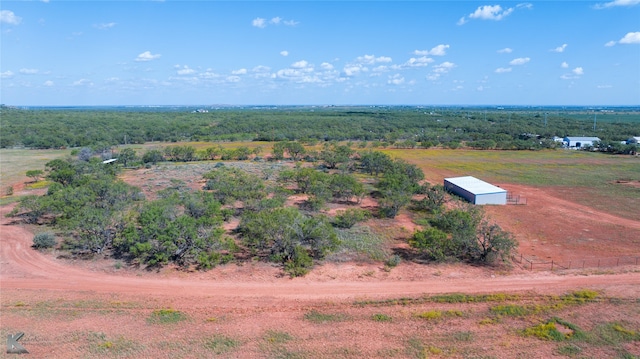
(598, 262)
(531, 266)
(552, 264)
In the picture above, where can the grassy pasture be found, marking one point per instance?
(14, 163)
(590, 176)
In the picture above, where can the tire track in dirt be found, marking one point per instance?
(24, 268)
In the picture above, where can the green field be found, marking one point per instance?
(593, 176)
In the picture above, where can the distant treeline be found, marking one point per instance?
(449, 127)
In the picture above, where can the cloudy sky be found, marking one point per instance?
(320, 52)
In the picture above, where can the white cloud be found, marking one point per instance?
(564, 65)
(444, 67)
(604, 86)
(519, 61)
(326, 66)
(104, 26)
(260, 69)
(6, 75)
(29, 71)
(439, 50)
(574, 75)
(208, 75)
(502, 70)
(262, 23)
(371, 59)
(631, 38)
(417, 62)
(233, 79)
(616, 3)
(8, 17)
(147, 56)
(560, 48)
(83, 82)
(48, 83)
(492, 12)
(506, 50)
(284, 53)
(186, 70)
(239, 72)
(439, 70)
(300, 64)
(259, 22)
(353, 70)
(396, 79)
(380, 69)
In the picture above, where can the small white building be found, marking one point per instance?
(476, 191)
(579, 142)
(633, 141)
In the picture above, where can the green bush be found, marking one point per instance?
(349, 217)
(393, 261)
(44, 240)
(381, 318)
(166, 316)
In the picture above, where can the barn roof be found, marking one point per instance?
(474, 185)
(582, 138)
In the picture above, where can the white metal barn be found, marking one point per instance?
(476, 191)
(579, 142)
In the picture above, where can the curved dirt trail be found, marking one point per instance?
(22, 268)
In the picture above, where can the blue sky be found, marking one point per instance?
(58, 53)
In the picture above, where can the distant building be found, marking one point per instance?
(579, 142)
(633, 141)
(476, 191)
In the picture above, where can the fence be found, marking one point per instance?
(515, 199)
(605, 262)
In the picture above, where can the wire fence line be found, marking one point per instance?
(601, 262)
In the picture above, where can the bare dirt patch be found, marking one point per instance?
(551, 227)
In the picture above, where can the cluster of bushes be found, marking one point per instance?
(464, 234)
(96, 212)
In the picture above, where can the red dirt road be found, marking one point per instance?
(22, 268)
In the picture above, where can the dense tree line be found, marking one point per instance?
(404, 127)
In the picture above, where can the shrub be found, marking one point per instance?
(317, 317)
(381, 318)
(9, 191)
(349, 217)
(393, 261)
(44, 240)
(165, 316)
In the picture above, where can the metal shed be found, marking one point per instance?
(579, 142)
(476, 191)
